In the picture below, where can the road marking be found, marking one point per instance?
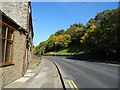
(72, 85)
(30, 74)
(29, 71)
(23, 79)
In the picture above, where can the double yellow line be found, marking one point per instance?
(72, 85)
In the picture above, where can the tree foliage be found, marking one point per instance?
(105, 36)
(100, 35)
(62, 41)
(60, 32)
(76, 31)
(51, 43)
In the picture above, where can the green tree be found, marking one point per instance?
(62, 41)
(105, 37)
(60, 32)
(76, 31)
(51, 43)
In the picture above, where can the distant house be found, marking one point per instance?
(16, 40)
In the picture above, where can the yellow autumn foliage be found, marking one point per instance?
(93, 27)
(63, 40)
(86, 35)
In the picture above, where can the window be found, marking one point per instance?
(6, 44)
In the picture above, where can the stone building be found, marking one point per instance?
(16, 36)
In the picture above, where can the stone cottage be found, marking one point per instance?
(16, 37)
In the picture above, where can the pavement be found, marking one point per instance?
(85, 74)
(45, 75)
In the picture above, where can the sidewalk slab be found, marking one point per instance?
(44, 75)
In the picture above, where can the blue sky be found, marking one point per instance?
(53, 16)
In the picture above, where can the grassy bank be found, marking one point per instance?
(63, 52)
(85, 56)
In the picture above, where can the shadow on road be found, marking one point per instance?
(95, 58)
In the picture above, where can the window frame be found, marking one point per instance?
(8, 27)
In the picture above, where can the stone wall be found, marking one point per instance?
(13, 72)
(17, 11)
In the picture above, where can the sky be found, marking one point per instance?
(49, 17)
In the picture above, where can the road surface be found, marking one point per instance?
(86, 74)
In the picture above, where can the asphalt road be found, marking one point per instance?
(86, 74)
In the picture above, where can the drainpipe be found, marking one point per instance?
(26, 36)
(24, 57)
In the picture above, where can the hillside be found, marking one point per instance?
(100, 36)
